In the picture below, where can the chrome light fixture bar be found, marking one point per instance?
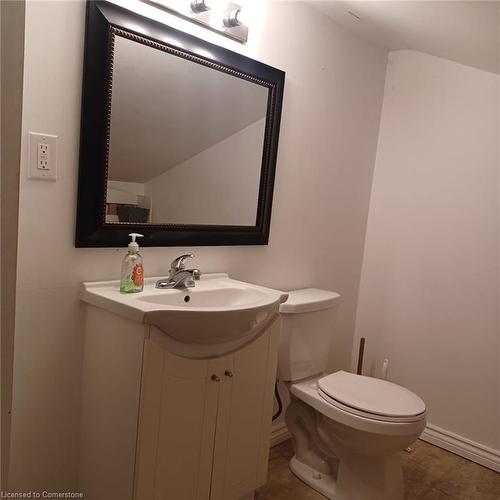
(221, 16)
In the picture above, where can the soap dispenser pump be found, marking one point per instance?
(132, 277)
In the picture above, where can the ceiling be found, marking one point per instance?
(464, 32)
(166, 109)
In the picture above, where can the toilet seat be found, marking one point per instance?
(371, 395)
(308, 392)
(371, 398)
(372, 416)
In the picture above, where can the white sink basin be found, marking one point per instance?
(203, 297)
(217, 316)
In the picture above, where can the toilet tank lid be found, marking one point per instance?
(309, 300)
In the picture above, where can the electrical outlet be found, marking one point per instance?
(42, 156)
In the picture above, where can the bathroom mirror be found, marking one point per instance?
(179, 137)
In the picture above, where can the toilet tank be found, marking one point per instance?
(307, 329)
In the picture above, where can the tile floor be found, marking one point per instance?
(430, 474)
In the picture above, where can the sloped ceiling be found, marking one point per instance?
(464, 32)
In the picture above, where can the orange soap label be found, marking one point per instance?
(138, 275)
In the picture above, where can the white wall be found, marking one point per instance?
(330, 121)
(220, 185)
(12, 58)
(429, 289)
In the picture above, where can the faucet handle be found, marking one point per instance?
(178, 263)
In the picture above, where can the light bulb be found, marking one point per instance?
(198, 6)
(234, 18)
(243, 16)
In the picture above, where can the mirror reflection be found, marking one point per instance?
(186, 141)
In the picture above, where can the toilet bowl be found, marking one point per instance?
(348, 430)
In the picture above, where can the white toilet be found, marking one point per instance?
(348, 430)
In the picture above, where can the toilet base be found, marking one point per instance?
(363, 479)
(355, 464)
(369, 477)
(322, 483)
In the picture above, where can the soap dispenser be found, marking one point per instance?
(132, 277)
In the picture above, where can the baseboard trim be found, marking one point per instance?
(482, 455)
(279, 434)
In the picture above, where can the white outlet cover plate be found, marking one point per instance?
(50, 174)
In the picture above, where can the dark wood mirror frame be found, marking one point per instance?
(104, 22)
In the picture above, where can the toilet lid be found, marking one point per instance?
(371, 395)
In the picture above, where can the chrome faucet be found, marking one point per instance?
(179, 276)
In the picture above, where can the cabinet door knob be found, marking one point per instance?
(215, 377)
(228, 373)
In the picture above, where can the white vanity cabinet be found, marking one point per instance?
(204, 424)
(157, 426)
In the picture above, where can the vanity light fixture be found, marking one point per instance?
(222, 16)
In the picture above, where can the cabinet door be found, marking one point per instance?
(176, 427)
(244, 419)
